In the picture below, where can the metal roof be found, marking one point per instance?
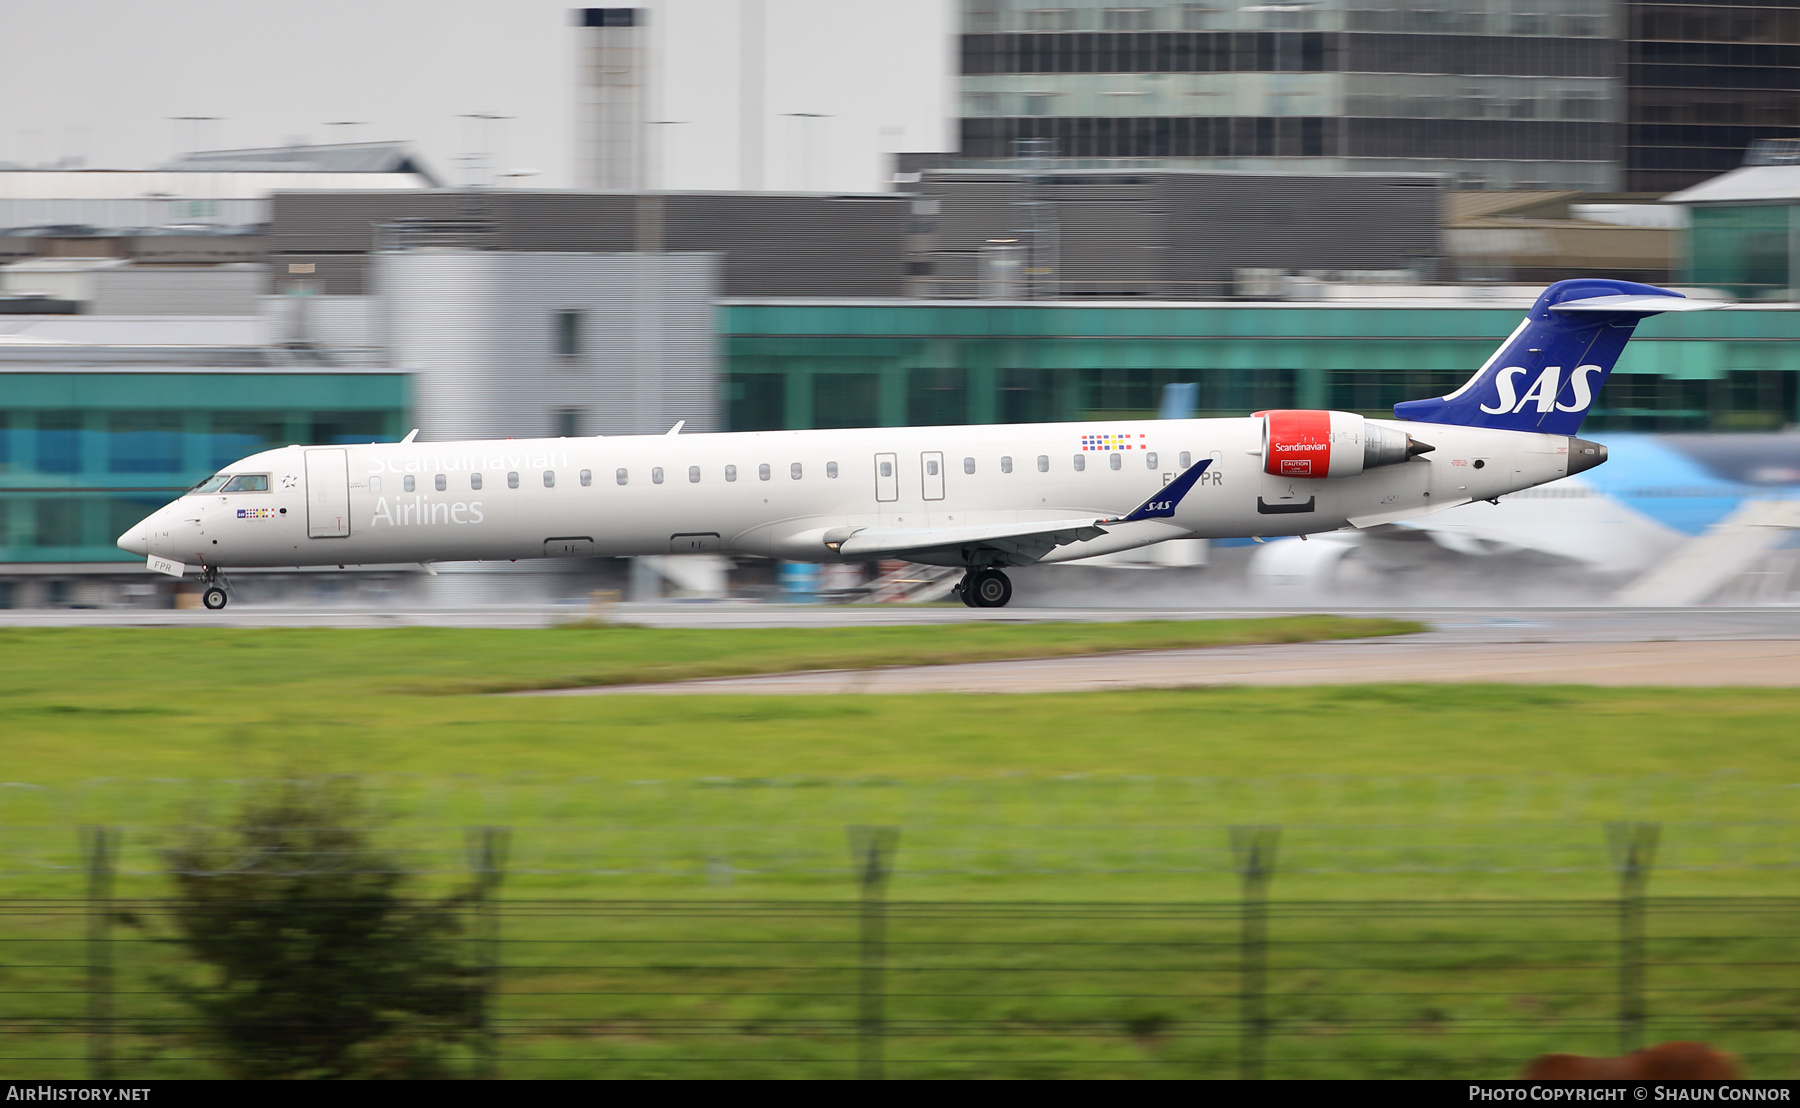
(132, 331)
(153, 184)
(347, 157)
(1750, 184)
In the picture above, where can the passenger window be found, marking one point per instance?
(549, 478)
(887, 469)
(931, 468)
(623, 476)
(1186, 459)
(1005, 464)
(1080, 463)
(968, 465)
(656, 475)
(259, 482)
(587, 478)
(405, 483)
(375, 484)
(441, 482)
(831, 470)
(1150, 460)
(730, 473)
(512, 479)
(693, 475)
(762, 471)
(475, 481)
(794, 471)
(1043, 463)
(1117, 461)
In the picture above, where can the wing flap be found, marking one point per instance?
(1027, 541)
(1021, 543)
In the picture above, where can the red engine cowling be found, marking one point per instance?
(1310, 444)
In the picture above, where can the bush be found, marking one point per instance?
(321, 966)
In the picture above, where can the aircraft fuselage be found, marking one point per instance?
(788, 494)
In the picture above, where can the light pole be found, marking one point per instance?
(483, 158)
(654, 166)
(805, 145)
(196, 120)
(348, 123)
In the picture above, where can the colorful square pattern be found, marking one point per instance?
(1106, 442)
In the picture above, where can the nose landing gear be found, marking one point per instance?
(214, 597)
(985, 588)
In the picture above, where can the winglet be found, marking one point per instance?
(679, 424)
(411, 435)
(1162, 504)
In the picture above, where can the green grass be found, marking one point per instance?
(1448, 794)
(51, 669)
(1384, 790)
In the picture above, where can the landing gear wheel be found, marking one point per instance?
(990, 589)
(961, 592)
(213, 598)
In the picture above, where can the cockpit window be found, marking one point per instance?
(248, 482)
(211, 484)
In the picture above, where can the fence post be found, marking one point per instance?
(99, 848)
(1253, 847)
(1633, 848)
(487, 848)
(872, 849)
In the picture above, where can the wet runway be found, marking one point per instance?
(1599, 646)
(1487, 625)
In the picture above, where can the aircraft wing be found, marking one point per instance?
(1018, 543)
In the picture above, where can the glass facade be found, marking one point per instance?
(1746, 250)
(83, 456)
(793, 366)
(1704, 81)
(1503, 93)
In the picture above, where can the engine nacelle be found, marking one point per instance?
(1310, 444)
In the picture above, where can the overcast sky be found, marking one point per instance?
(98, 79)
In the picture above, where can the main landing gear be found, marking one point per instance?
(214, 597)
(984, 588)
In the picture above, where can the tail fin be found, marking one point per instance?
(1544, 377)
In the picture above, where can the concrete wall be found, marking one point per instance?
(478, 331)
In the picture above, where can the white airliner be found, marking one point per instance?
(980, 497)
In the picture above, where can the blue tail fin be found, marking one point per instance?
(1547, 374)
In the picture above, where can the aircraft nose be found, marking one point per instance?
(136, 540)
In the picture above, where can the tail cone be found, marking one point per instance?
(1584, 455)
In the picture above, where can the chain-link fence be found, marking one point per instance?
(723, 831)
(857, 981)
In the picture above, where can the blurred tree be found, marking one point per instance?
(322, 968)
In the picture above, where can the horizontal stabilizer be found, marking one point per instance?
(1634, 304)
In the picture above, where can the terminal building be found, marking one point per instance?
(1595, 95)
(979, 295)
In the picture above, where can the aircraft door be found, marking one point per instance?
(932, 473)
(327, 494)
(887, 477)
